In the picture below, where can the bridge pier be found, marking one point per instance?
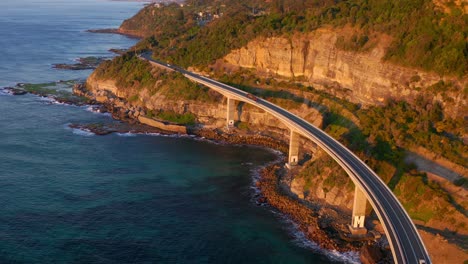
(231, 111)
(359, 213)
(293, 148)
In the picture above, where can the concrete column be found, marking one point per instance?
(231, 110)
(359, 213)
(293, 148)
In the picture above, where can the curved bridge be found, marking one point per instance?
(403, 237)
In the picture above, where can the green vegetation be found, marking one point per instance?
(91, 61)
(43, 89)
(61, 91)
(128, 71)
(384, 132)
(423, 199)
(243, 126)
(399, 124)
(133, 98)
(178, 87)
(171, 116)
(355, 43)
(132, 75)
(51, 88)
(153, 21)
(325, 169)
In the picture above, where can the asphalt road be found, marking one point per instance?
(403, 237)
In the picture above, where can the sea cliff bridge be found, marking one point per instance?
(405, 243)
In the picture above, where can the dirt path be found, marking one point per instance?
(440, 169)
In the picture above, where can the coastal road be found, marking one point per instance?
(406, 244)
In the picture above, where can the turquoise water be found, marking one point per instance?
(67, 196)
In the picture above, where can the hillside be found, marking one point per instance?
(423, 35)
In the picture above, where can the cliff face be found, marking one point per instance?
(209, 114)
(358, 77)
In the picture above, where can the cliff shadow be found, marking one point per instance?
(450, 236)
(280, 94)
(458, 206)
(240, 107)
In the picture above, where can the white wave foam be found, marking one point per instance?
(152, 134)
(95, 110)
(132, 134)
(54, 101)
(91, 108)
(4, 92)
(166, 135)
(301, 240)
(47, 99)
(128, 134)
(82, 132)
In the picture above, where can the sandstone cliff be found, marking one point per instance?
(360, 77)
(209, 114)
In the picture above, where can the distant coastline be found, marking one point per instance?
(151, 1)
(113, 31)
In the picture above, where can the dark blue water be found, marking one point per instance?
(67, 196)
(34, 34)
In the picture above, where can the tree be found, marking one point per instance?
(180, 15)
(278, 6)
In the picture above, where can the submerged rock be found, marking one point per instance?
(54, 90)
(87, 63)
(102, 129)
(118, 51)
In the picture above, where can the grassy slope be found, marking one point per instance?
(133, 75)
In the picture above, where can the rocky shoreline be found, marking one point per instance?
(101, 129)
(320, 224)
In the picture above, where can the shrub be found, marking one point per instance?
(183, 119)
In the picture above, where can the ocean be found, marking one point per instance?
(69, 196)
